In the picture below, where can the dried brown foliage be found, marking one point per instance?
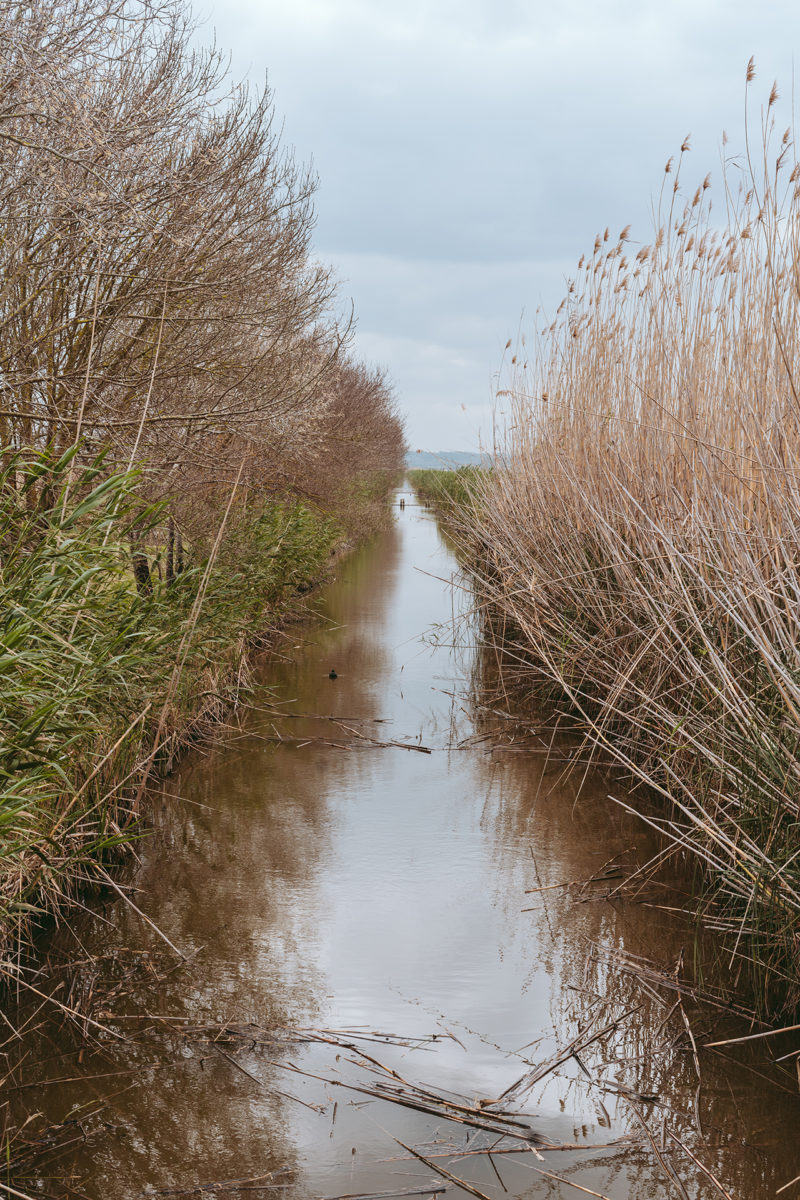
(642, 539)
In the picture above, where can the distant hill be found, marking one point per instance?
(445, 460)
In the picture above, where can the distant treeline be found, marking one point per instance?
(184, 435)
(445, 460)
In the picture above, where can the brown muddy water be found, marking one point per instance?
(317, 881)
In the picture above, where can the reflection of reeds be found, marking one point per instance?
(607, 1047)
(641, 543)
(624, 1054)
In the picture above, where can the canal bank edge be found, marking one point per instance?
(166, 666)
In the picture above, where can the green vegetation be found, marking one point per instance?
(99, 683)
(449, 492)
(641, 538)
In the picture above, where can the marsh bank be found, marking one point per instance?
(376, 865)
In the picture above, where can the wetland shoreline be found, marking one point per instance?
(347, 909)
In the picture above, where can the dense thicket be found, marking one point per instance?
(184, 436)
(642, 540)
(159, 293)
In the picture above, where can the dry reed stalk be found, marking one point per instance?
(639, 543)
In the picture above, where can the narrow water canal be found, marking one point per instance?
(317, 880)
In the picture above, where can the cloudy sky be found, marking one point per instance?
(469, 151)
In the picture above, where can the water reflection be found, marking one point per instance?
(324, 869)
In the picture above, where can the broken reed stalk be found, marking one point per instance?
(636, 551)
(185, 643)
(445, 1174)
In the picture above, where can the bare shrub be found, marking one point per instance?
(159, 293)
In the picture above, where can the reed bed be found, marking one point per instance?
(102, 684)
(639, 546)
(446, 491)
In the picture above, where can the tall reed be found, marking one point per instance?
(642, 539)
(76, 652)
(102, 683)
(447, 491)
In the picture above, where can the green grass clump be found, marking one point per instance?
(100, 683)
(77, 650)
(449, 492)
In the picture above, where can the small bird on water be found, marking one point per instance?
(332, 674)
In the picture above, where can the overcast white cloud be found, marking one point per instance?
(468, 153)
